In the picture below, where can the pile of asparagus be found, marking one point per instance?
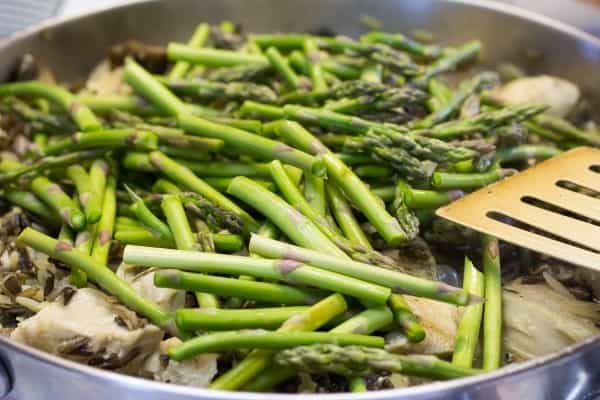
(298, 153)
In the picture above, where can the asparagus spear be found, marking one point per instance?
(260, 339)
(492, 311)
(192, 319)
(418, 198)
(315, 70)
(450, 60)
(449, 180)
(278, 270)
(405, 318)
(280, 64)
(105, 227)
(92, 204)
(252, 290)
(250, 144)
(52, 194)
(147, 218)
(257, 360)
(15, 170)
(30, 202)
(353, 187)
(152, 90)
(401, 42)
(364, 323)
(223, 242)
(289, 220)
(186, 178)
(98, 273)
(467, 334)
(198, 39)
(81, 115)
(212, 57)
(113, 138)
(356, 360)
(397, 281)
(210, 90)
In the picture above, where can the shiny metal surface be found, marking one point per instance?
(74, 45)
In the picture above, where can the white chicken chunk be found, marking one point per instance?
(558, 94)
(539, 320)
(198, 371)
(91, 328)
(142, 281)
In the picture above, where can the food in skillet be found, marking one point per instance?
(256, 212)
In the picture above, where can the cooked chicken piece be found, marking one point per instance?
(106, 80)
(142, 281)
(198, 371)
(89, 327)
(539, 320)
(558, 94)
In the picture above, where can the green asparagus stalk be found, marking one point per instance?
(16, 170)
(113, 138)
(223, 242)
(210, 90)
(482, 81)
(186, 178)
(259, 291)
(526, 152)
(193, 319)
(221, 184)
(355, 360)
(184, 238)
(30, 202)
(385, 193)
(106, 224)
(280, 64)
(261, 339)
(364, 323)
(315, 70)
(287, 41)
(450, 180)
(401, 42)
(152, 90)
(450, 60)
(147, 218)
(278, 270)
(294, 224)
(178, 223)
(492, 311)
(314, 191)
(81, 115)
(92, 204)
(257, 360)
(387, 226)
(52, 194)
(567, 129)
(198, 39)
(418, 198)
(344, 216)
(212, 57)
(250, 144)
(252, 109)
(397, 281)
(98, 273)
(467, 334)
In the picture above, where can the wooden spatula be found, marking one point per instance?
(553, 208)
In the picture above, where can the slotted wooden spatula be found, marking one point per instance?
(546, 208)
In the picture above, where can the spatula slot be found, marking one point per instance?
(577, 188)
(555, 208)
(532, 230)
(595, 168)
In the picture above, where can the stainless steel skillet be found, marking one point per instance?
(72, 46)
